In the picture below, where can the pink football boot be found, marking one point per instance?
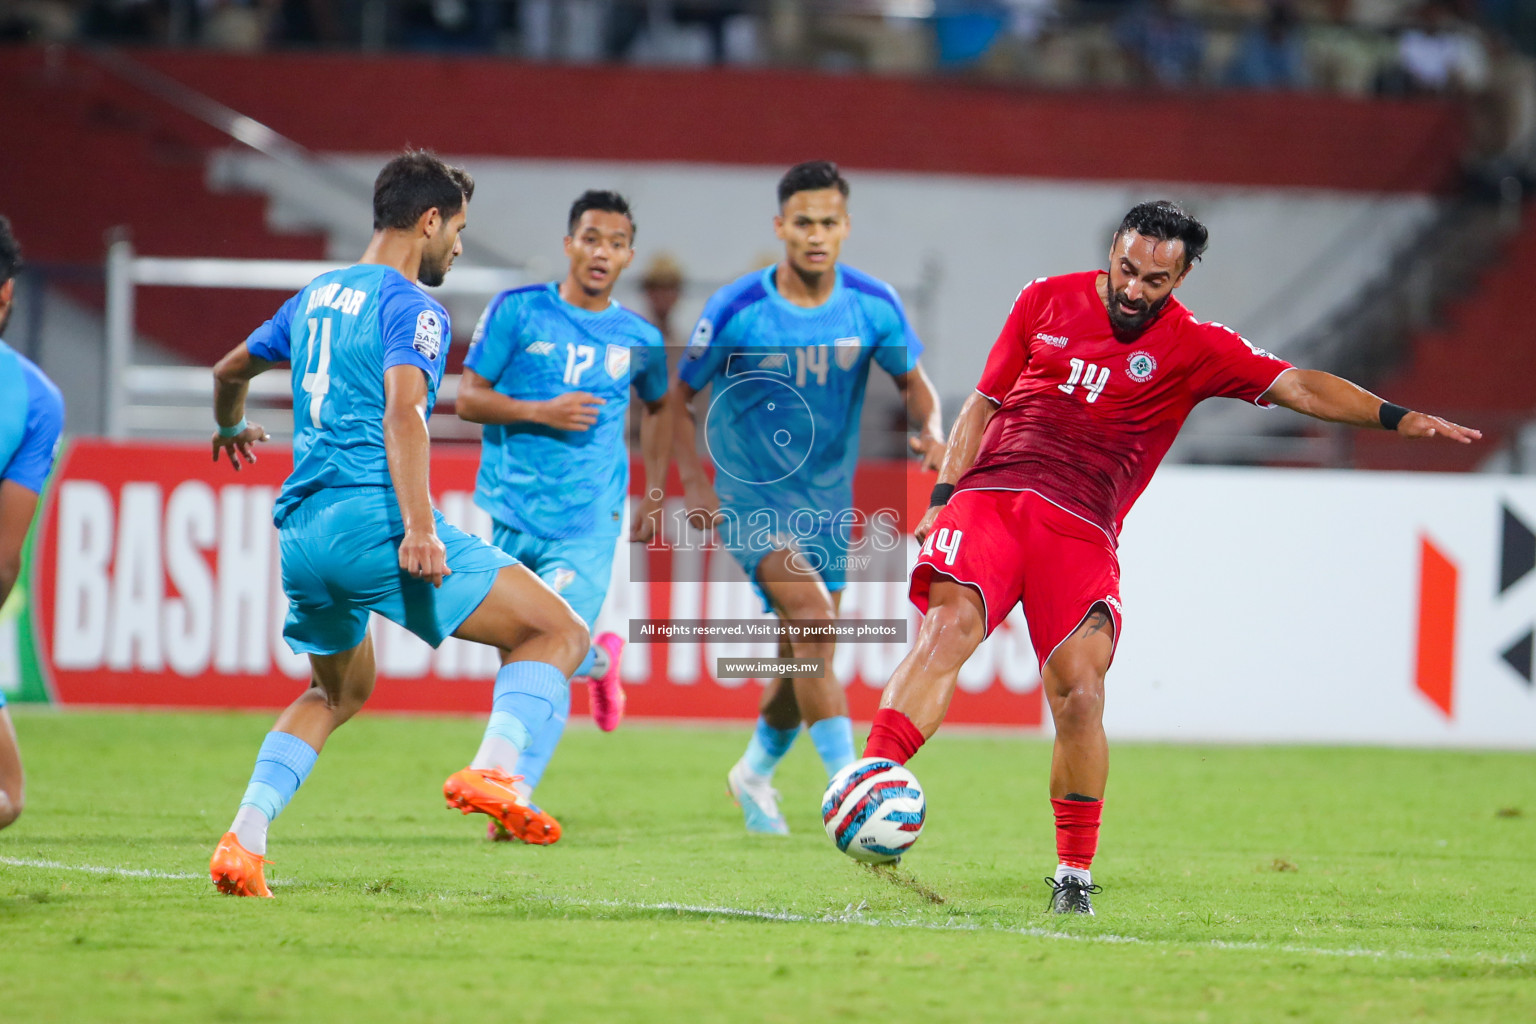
(606, 693)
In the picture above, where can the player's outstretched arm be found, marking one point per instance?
(407, 447)
(960, 453)
(922, 403)
(1333, 399)
(698, 493)
(656, 440)
(231, 381)
(478, 401)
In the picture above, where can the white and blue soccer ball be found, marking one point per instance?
(874, 810)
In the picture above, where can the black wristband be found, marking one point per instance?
(1391, 415)
(941, 495)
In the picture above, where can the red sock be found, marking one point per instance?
(1077, 831)
(893, 736)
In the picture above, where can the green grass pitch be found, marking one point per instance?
(1240, 884)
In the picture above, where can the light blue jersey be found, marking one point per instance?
(31, 420)
(783, 420)
(533, 345)
(341, 333)
(338, 518)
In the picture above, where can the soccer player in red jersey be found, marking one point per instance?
(1082, 395)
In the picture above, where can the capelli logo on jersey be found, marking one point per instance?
(1140, 366)
(1057, 340)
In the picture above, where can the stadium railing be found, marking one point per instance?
(174, 401)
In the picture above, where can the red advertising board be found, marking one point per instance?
(157, 583)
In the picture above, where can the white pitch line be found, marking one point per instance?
(53, 865)
(855, 916)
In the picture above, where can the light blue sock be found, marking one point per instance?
(768, 746)
(587, 663)
(282, 765)
(527, 693)
(834, 742)
(536, 754)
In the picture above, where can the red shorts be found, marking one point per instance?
(1017, 546)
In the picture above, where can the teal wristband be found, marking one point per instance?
(234, 431)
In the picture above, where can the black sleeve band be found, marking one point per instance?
(1391, 415)
(941, 495)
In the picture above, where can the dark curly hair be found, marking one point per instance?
(1167, 222)
(415, 182)
(10, 252)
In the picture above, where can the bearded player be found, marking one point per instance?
(31, 419)
(549, 374)
(1083, 393)
(789, 350)
(356, 527)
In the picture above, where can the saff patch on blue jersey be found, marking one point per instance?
(429, 334)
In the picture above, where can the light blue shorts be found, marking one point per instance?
(576, 568)
(341, 560)
(749, 543)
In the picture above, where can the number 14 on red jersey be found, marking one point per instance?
(1091, 377)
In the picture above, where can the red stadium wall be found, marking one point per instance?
(110, 156)
(155, 582)
(488, 107)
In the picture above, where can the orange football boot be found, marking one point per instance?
(237, 871)
(490, 791)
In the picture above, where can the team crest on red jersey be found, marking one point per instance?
(1140, 366)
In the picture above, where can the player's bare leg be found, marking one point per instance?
(1074, 688)
(778, 706)
(542, 642)
(11, 781)
(527, 621)
(798, 594)
(339, 686)
(924, 683)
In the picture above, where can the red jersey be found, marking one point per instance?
(1085, 417)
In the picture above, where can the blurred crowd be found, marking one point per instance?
(1482, 51)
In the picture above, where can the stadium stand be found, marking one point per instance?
(102, 156)
(86, 120)
(1478, 364)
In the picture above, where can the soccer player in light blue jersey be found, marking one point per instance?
(31, 418)
(549, 373)
(788, 351)
(356, 527)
